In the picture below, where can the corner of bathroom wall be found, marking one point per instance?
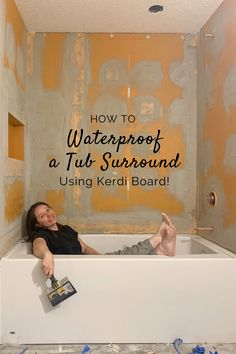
(216, 126)
(2, 12)
(13, 123)
(2, 31)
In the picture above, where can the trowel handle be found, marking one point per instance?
(54, 282)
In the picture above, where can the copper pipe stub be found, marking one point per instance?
(204, 228)
(209, 35)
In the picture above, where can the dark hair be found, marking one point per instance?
(31, 219)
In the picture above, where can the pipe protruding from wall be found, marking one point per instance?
(204, 228)
(209, 35)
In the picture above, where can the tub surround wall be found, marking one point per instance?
(152, 78)
(12, 86)
(217, 125)
(73, 76)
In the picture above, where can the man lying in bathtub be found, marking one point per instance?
(49, 237)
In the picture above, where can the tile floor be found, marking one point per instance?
(116, 348)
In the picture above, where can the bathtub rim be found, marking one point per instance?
(220, 252)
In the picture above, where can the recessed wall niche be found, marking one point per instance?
(15, 138)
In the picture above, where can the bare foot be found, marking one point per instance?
(166, 219)
(168, 243)
(157, 238)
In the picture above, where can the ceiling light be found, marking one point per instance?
(155, 8)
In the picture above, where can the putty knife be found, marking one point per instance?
(60, 290)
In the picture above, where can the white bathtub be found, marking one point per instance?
(122, 299)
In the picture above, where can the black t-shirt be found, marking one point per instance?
(63, 241)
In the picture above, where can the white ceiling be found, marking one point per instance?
(124, 16)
